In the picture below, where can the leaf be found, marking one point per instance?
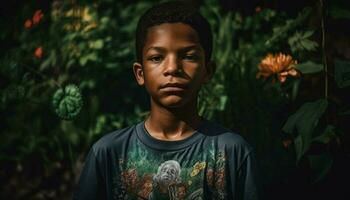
(309, 67)
(104, 20)
(92, 56)
(308, 44)
(339, 13)
(300, 41)
(123, 52)
(307, 34)
(83, 60)
(112, 65)
(70, 63)
(223, 100)
(303, 122)
(344, 111)
(326, 136)
(298, 144)
(98, 44)
(342, 73)
(50, 61)
(320, 164)
(90, 84)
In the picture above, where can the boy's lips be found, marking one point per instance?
(178, 85)
(173, 87)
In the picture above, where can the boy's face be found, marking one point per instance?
(173, 65)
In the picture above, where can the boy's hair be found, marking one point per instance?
(173, 12)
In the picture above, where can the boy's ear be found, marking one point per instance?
(211, 68)
(138, 72)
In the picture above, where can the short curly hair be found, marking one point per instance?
(173, 12)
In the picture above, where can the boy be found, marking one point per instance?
(174, 153)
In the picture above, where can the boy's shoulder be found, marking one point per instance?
(113, 139)
(225, 137)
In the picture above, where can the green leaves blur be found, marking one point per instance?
(89, 44)
(280, 32)
(309, 67)
(338, 12)
(303, 123)
(300, 42)
(320, 164)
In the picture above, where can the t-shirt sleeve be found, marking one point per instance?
(248, 182)
(90, 185)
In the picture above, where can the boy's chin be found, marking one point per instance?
(173, 102)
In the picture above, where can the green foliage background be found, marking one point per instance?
(55, 105)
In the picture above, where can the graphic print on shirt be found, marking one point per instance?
(147, 175)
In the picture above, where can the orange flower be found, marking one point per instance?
(38, 15)
(28, 23)
(38, 52)
(279, 65)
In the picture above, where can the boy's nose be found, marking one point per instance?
(172, 66)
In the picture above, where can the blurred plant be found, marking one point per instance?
(250, 106)
(88, 49)
(67, 102)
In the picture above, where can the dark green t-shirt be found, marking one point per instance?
(213, 163)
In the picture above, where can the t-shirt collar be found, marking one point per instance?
(163, 145)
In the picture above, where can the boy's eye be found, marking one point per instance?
(155, 58)
(190, 57)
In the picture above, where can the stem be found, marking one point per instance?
(324, 57)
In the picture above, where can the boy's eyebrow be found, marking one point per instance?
(186, 48)
(194, 47)
(155, 48)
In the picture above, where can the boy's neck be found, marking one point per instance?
(172, 124)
